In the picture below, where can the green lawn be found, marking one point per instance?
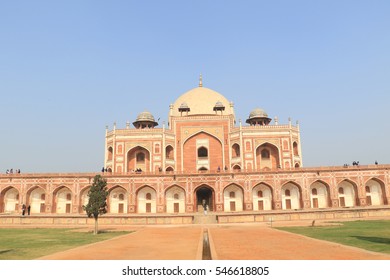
(27, 244)
(369, 235)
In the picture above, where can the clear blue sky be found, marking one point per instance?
(69, 68)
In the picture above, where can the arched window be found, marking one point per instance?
(109, 153)
(235, 150)
(314, 191)
(148, 196)
(260, 194)
(265, 154)
(368, 189)
(202, 152)
(236, 167)
(287, 193)
(43, 196)
(169, 152)
(232, 194)
(341, 190)
(295, 148)
(68, 196)
(121, 196)
(140, 157)
(176, 196)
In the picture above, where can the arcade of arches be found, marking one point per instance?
(178, 198)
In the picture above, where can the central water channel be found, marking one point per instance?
(206, 253)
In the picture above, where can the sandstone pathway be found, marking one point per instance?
(260, 242)
(227, 242)
(147, 243)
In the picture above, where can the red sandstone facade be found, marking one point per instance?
(202, 157)
(202, 135)
(363, 186)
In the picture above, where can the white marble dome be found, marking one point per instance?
(202, 101)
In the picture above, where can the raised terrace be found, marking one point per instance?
(175, 197)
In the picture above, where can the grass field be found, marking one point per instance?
(27, 244)
(368, 235)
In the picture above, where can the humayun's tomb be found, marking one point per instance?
(243, 172)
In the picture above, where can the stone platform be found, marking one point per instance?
(199, 218)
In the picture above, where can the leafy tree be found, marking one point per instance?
(97, 200)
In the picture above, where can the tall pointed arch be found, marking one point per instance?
(138, 158)
(291, 196)
(62, 200)
(9, 200)
(262, 197)
(202, 150)
(233, 198)
(267, 156)
(175, 199)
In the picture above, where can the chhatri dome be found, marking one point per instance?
(145, 120)
(201, 101)
(258, 117)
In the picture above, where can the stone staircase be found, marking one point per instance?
(202, 219)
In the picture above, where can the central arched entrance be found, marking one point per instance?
(204, 195)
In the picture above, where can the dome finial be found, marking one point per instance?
(200, 80)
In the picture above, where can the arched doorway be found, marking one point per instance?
(204, 196)
(62, 200)
(146, 200)
(36, 198)
(117, 200)
(347, 194)
(9, 200)
(175, 200)
(319, 195)
(236, 168)
(374, 192)
(291, 196)
(262, 197)
(233, 198)
(138, 158)
(207, 150)
(267, 157)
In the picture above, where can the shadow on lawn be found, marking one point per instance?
(374, 239)
(5, 251)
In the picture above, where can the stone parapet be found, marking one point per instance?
(181, 192)
(246, 217)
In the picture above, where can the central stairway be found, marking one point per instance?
(202, 219)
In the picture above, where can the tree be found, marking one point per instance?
(97, 204)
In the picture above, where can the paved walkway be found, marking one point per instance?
(145, 243)
(227, 242)
(272, 244)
